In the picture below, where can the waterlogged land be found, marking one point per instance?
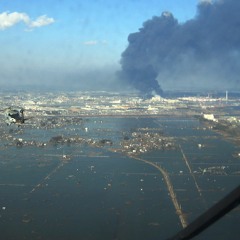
(65, 176)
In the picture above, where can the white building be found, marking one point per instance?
(210, 117)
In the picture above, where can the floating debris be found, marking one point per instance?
(154, 224)
(26, 218)
(66, 157)
(219, 170)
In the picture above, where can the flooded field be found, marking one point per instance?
(90, 179)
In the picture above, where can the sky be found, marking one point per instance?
(73, 44)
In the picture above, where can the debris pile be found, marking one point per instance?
(141, 142)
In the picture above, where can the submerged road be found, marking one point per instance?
(190, 170)
(177, 206)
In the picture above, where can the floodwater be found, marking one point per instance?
(81, 191)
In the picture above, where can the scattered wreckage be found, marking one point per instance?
(218, 170)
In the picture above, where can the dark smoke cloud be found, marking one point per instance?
(201, 53)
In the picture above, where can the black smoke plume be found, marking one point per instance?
(203, 52)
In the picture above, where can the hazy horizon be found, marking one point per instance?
(161, 46)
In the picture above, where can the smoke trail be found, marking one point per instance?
(203, 52)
